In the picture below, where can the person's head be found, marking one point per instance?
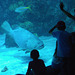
(34, 54)
(61, 25)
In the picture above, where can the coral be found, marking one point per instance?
(20, 3)
(15, 5)
(27, 25)
(20, 16)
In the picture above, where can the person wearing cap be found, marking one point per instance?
(63, 46)
(72, 61)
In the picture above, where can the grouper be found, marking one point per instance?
(23, 38)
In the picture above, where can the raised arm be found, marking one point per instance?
(50, 31)
(67, 13)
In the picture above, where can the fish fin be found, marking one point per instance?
(6, 26)
(27, 52)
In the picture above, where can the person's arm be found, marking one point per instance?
(29, 69)
(67, 13)
(52, 29)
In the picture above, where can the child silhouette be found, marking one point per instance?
(37, 66)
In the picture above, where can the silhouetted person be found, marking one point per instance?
(67, 13)
(70, 16)
(37, 65)
(72, 61)
(63, 45)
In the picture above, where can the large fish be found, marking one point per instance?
(23, 38)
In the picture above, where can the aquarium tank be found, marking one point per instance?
(24, 26)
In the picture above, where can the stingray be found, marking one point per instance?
(23, 38)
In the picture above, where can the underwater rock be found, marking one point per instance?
(23, 38)
(27, 25)
(13, 6)
(4, 69)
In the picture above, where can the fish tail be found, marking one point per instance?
(6, 26)
(29, 7)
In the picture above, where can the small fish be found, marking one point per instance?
(22, 9)
(23, 38)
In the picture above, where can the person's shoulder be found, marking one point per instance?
(40, 60)
(67, 32)
(30, 62)
(57, 32)
(54, 32)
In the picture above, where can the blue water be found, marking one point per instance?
(39, 19)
